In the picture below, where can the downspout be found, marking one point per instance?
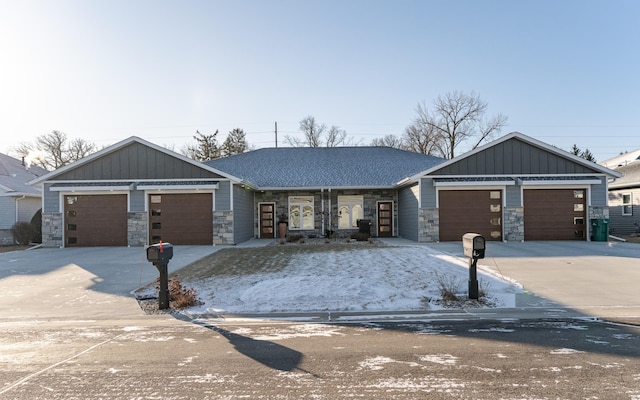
(18, 208)
(322, 210)
(330, 211)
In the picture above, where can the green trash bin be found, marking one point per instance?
(599, 230)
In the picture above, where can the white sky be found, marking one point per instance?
(562, 72)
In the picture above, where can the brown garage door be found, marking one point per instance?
(181, 218)
(554, 214)
(478, 211)
(95, 220)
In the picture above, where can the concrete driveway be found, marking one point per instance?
(80, 283)
(599, 279)
(596, 278)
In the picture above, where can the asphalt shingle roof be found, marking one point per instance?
(297, 167)
(630, 176)
(14, 176)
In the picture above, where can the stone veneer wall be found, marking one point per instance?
(370, 199)
(428, 225)
(598, 212)
(223, 227)
(513, 224)
(137, 228)
(6, 237)
(52, 230)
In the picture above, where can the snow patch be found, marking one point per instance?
(385, 279)
(443, 359)
(564, 351)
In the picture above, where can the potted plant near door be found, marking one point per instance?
(282, 225)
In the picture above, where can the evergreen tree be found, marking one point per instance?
(206, 147)
(235, 143)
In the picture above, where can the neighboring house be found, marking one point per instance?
(134, 193)
(18, 201)
(624, 199)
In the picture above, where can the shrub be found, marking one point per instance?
(294, 238)
(180, 296)
(449, 287)
(360, 236)
(23, 232)
(36, 221)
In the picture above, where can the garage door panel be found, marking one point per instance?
(554, 214)
(95, 220)
(463, 211)
(181, 218)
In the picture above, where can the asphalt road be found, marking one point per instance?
(69, 329)
(160, 359)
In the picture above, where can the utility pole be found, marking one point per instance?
(276, 133)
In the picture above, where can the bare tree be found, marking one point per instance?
(458, 117)
(336, 137)
(206, 147)
(389, 141)
(54, 151)
(317, 135)
(235, 143)
(422, 137)
(312, 132)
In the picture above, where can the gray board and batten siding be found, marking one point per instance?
(512, 157)
(408, 212)
(136, 162)
(243, 214)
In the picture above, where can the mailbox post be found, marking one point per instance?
(473, 245)
(160, 254)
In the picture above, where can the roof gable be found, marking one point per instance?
(329, 167)
(516, 153)
(133, 158)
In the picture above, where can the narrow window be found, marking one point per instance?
(627, 205)
(350, 210)
(301, 214)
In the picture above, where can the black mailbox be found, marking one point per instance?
(473, 245)
(161, 252)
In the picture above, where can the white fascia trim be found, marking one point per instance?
(557, 183)
(100, 189)
(473, 187)
(318, 188)
(165, 190)
(474, 183)
(206, 188)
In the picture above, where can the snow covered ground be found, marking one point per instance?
(399, 278)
